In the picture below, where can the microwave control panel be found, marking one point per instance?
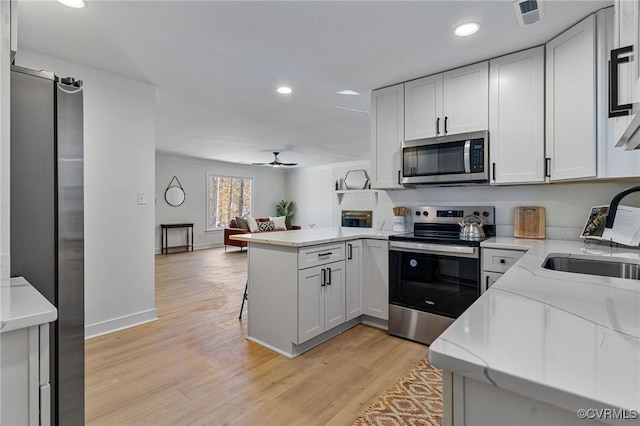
(477, 155)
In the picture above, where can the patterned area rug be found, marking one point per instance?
(416, 399)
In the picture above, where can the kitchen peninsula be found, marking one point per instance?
(542, 344)
(307, 286)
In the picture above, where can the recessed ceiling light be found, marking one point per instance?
(284, 90)
(467, 29)
(348, 92)
(76, 4)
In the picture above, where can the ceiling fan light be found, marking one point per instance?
(76, 4)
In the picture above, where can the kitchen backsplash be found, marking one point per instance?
(567, 205)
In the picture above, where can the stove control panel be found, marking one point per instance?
(453, 214)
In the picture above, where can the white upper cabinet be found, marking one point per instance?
(516, 117)
(466, 99)
(452, 102)
(387, 134)
(571, 102)
(627, 34)
(423, 108)
(614, 161)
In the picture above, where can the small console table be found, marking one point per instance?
(164, 249)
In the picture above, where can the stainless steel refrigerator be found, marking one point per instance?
(47, 219)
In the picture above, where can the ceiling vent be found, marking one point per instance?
(528, 12)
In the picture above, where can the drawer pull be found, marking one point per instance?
(503, 261)
(325, 254)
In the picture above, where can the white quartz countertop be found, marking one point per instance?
(310, 237)
(571, 340)
(23, 306)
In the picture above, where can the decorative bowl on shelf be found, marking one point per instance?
(356, 179)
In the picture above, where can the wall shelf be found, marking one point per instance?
(340, 193)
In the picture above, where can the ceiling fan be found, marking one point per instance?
(276, 162)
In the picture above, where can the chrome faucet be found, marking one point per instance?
(613, 207)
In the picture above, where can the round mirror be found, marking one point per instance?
(174, 196)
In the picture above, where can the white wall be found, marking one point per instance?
(567, 205)
(119, 152)
(268, 189)
(310, 190)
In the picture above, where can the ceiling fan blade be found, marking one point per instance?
(275, 163)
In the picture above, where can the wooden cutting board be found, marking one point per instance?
(529, 222)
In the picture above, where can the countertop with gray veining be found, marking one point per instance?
(310, 237)
(571, 340)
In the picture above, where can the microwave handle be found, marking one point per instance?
(467, 156)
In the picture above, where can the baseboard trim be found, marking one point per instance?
(121, 323)
(196, 247)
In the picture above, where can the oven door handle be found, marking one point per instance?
(424, 247)
(467, 156)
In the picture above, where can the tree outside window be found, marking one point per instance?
(227, 197)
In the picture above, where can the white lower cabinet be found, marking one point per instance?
(321, 299)
(24, 382)
(488, 279)
(354, 278)
(376, 278)
(496, 262)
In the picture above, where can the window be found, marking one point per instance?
(227, 197)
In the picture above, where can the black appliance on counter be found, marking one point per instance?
(434, 274)
(47, 221)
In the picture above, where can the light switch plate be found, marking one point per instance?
(142, 198)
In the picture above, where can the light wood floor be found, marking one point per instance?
(194, 366)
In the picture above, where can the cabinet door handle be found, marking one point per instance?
(323, 277)
(547, 167)
(615, 108)
(328, 276)
(399, 177)
(446, 119)
(350, 251)
(493, 171)
(486, 287)
(438, 126)
(325, 254)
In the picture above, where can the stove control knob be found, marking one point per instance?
(417, 213)
(485, 214)
(425, 213)
(476, 213)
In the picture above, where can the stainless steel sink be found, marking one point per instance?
(593, 265)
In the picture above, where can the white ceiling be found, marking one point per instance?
(216, 64)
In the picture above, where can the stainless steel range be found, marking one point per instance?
(434, 272)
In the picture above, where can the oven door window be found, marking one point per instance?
(442, 285)
(439, 159)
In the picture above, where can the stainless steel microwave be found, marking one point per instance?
(451, 159)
